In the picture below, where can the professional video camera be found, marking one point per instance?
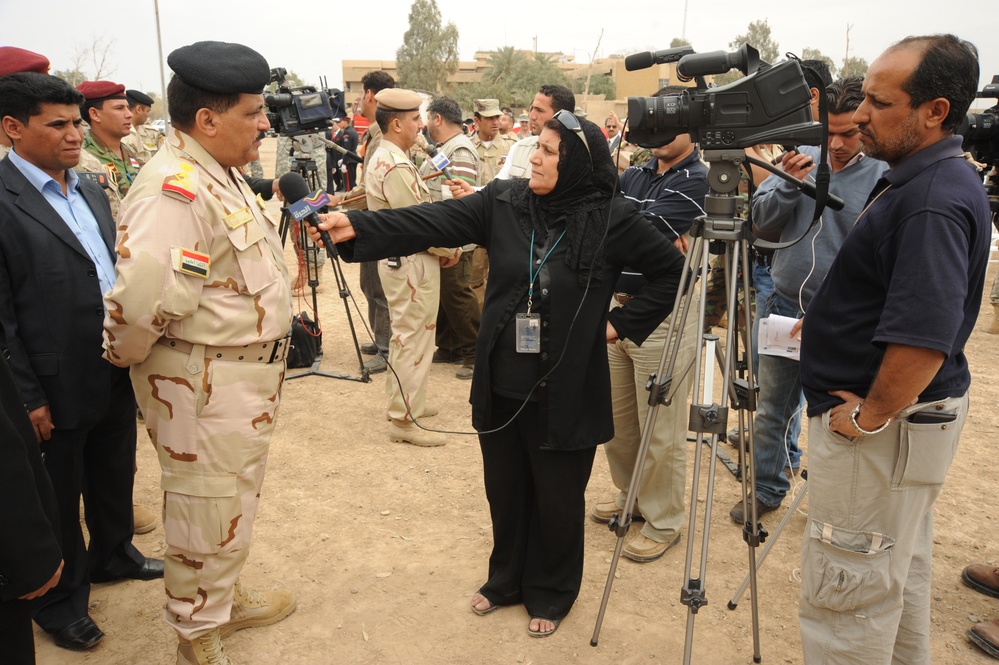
(981, 135)
(769, 105)
(304, 109)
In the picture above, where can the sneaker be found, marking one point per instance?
(369, 349)
(143, 519)
(251, 609)
(603, 512)
(406, 432)
(643, 549)
(205, 649)
(376, 364)
(734, 437)
(738, 512)
(465, 372)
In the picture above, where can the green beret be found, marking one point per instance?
(221, 67)
(398, 99)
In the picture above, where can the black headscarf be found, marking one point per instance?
(581, 195)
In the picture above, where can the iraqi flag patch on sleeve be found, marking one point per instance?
(191, 262)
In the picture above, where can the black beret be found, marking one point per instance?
(137, 97)
(221, 67)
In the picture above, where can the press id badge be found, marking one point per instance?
(528, 333)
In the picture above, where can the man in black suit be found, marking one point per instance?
(30, 557)
(56, 261)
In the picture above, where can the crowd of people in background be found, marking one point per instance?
(537, 253)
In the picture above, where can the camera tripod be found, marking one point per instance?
(722, 231)
(306, 167)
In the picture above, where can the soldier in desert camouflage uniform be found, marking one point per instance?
(143, 139)
(201, 313)
(411, 283)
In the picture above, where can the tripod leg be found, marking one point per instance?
(661, 392)
(732, 604)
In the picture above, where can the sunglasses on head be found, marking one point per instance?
(570, 122)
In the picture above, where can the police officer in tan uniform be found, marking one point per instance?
(201, 313)
(143, 139)
(411, 283)
(491, 146)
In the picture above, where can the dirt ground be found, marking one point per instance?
(385, 543)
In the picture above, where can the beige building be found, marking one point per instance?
(640, 83)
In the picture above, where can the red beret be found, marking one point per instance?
(97, 90)
(15, 60)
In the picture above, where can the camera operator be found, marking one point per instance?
(780, 208)
(883, 366)
(669, 191)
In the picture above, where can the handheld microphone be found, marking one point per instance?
(433, 152)
(645, 60)
(294, 188)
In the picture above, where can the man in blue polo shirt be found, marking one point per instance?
(882, 362)
(669, 191)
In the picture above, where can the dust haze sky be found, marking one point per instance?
(311, 37)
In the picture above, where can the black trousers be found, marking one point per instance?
(16, 635)
(538, 511)
(98, 462)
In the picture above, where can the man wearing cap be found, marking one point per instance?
(57, 259)
(12, 61)
(105, 109)
(411, 283)
(201, 313)
(491, 146)
(143, 139)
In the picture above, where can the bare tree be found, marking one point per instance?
(96, 61)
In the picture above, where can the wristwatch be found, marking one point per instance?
(861, 430)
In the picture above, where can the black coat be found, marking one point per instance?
(29, 549)
(51, 305)
(575, 400)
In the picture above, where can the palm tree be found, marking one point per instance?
(503, 64)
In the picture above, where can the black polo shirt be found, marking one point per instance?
(911, 271)
(670, 200)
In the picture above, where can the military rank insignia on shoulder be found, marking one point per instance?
(191, 262)
(183, 183)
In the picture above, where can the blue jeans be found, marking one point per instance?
(778, 416)
(763, 284)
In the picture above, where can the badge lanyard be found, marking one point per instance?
(533, 274)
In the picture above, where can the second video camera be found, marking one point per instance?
(304, 109)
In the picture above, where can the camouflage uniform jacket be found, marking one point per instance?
(199, 259)
(144, 141)
(89, 163)
(122, 171)
(491, 158)
(393, 182)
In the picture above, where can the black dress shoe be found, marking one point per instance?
(80, 635)
(151, 569)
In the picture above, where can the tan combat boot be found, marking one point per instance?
(205, 649)
(251, 608)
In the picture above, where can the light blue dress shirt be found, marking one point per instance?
(75, 212)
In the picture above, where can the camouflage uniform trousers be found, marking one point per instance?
(715, 302)
(413, 294)
(210, 422)
(460, 312)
